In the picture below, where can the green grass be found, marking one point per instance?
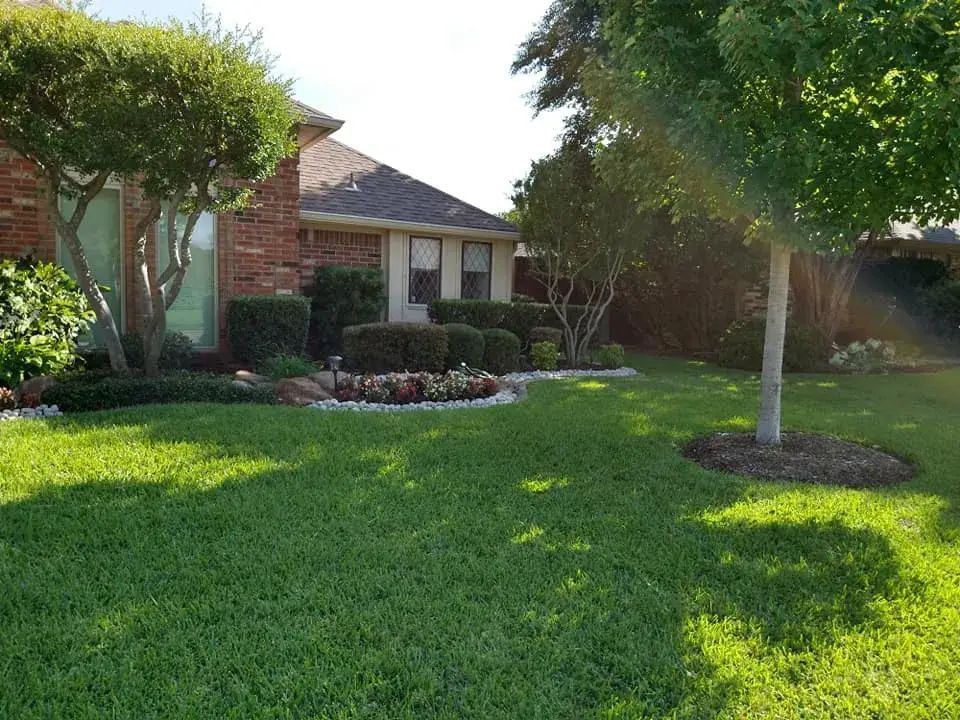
(552, 559)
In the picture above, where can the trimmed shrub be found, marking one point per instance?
(741, 347)
(175, 354)
(610, 356)
(385, 347)
(344, 296)
(465, 344)
(279, 367)
(502, 352)
(546, 334)
(520, 318)
(259, 326)
(543, 355)
(42, 311)
(99, 391)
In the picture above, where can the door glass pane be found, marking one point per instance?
(100, 236)
(475, 276)
(194, 312)
(424, 270)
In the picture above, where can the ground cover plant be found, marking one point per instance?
(555, 558)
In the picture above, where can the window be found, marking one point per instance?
(475, 275)
(194, 312)
(100, 236)
(424, 270)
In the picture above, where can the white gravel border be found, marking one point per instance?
(42, 411)
(504, 397)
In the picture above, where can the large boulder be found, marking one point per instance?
(35, 386)
(300, 391)
(325, 379)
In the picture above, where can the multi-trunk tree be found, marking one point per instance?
(816, 121)
(188, 114)
(579, 232)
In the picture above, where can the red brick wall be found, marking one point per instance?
(25, 227)
(259, 246)
(333, 247)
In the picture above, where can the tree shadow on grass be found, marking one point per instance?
(516, 564)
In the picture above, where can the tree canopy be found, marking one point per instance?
(189, 113)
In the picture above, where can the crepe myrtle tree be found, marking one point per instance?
(189, 113)
(579, 231)
(815, 121)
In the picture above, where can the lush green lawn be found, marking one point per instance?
(553, 559)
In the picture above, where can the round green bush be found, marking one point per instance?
(546, 334)
(543, 355)
(502, 352)
(610, 356)
(175, 354)
(741, 347)
(465, 344)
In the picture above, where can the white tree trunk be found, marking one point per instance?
(771, 379)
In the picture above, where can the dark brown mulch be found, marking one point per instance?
(802, 457)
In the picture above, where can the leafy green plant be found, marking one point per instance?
(344, 296)
(98, 391)
(941, 309)
(176, 353)
(741, 347)
(869, 356)
(544, 355)
(520, 318)
(259, 326)
(278, 367)
(393, 346)
(502, 352)
(465, 344)
(42, 312)
(609, 356)
(546, 334)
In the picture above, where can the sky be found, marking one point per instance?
(423, 85)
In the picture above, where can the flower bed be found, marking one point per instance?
(373, 393)
(416, 388)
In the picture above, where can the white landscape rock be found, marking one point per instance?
(513, 390)
(41, 411)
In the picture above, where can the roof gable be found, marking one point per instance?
(338, 180)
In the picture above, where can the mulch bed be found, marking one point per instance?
(801, 457)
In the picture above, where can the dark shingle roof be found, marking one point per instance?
(339, 180)
(941, 235)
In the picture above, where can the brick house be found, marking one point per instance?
(328, 205)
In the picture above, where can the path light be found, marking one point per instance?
(334, 363)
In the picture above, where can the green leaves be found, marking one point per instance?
(173, 106)
(42, 311)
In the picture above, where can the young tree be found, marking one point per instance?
(816, 121)
(188, 113)
(579, 232)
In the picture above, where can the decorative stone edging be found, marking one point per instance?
(42, 411)
(515, 390)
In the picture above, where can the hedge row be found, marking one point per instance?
(520, 318)
(103, 391)
(394, 346)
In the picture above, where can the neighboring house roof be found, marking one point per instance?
(947, 235)
(338, 181)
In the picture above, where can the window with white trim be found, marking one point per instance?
(194, 312)
(475, 271)
(101, 237)
(424, 278)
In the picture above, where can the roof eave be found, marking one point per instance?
(388, 223)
